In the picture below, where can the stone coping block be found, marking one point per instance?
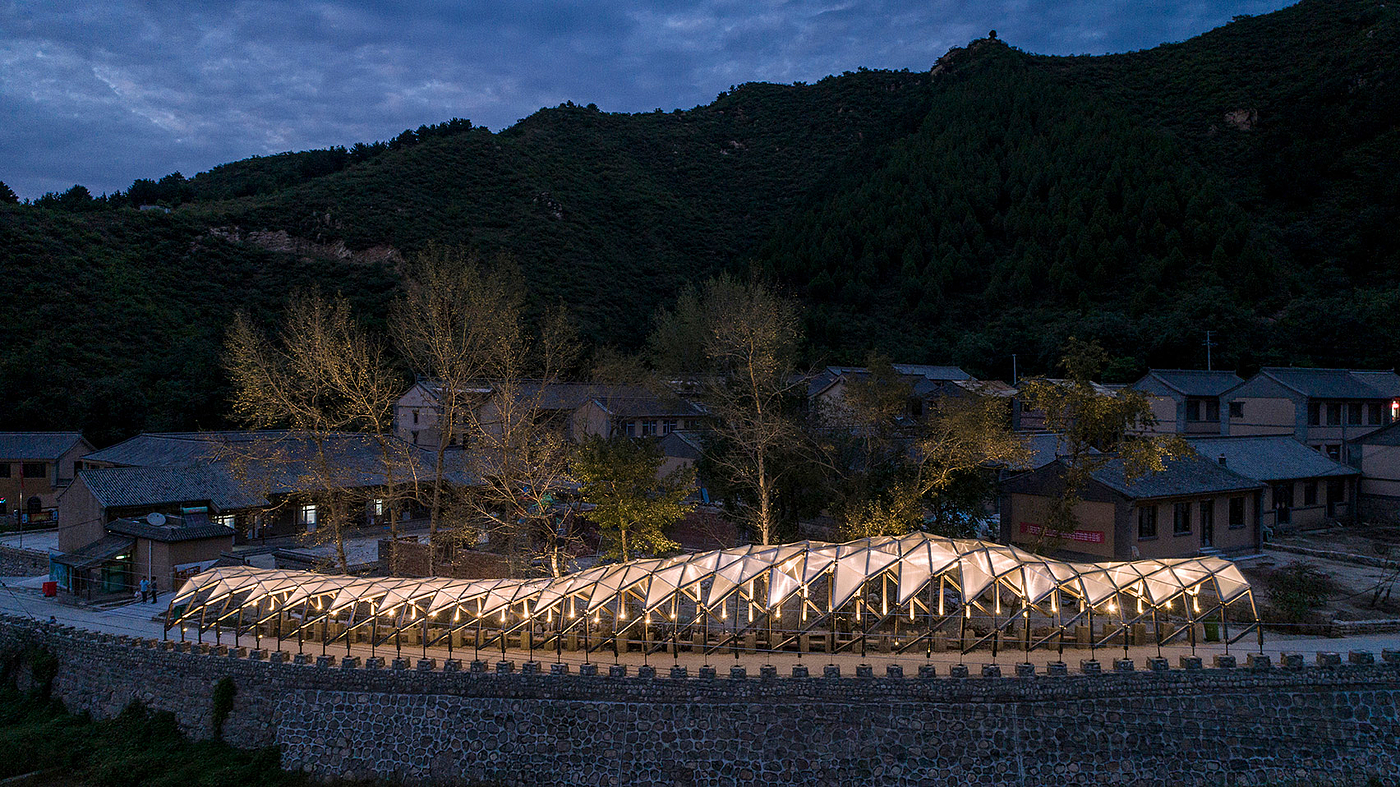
(1390, 656)
(479, 666)
(1258, 662)
(588, 670)
(1090, 666)
(452, 665)
(302, 659)
(559, 668)
(831, 671)
(183, 647)
(617, 670)
(1361, 657)
(1025, 669)
(1124, 665)
(350, 662)
(894, 671)
(957, 671)
(374, 662)
(530, 668)
(400, 664)
(1158, 664)
(278, 657)
(646, 671)
(1189, 662)
(927, 671)
(221, 650)
(1329, 659)
(991, 671)
(239, 652)
(1224, 661)
(678, 672)
(768, 671)
(258, 654)
(865, 671)
(325, 661)
(1291, 661)
(427, 664)
(707, 672)
(1057, 669)
(737, 672)
(505, 667)
(800, 671)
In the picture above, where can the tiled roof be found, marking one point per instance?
(192, 527)
(119, 487)
(37, 445)
(1269, 458)
(1337, 383)
(1196, 382)
(648, 407)
(1188, 475)
(681, 445)
(99, 551)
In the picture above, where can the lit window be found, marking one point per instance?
(376, 507)
(306, 516)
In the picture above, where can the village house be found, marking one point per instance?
(260, 484)
(1303, 488)
(163, 550)
(1194, 506)
(1378, 456)
(1029, 419)
(1188, 401)
(827, 387)
(579, 409)
(35, 467)
(1325, 409)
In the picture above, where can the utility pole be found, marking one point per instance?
(1013, 368)
(1209, 344)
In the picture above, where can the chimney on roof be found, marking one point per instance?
(1221, 460)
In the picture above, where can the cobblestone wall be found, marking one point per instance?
(16, 562)
(1314, 725)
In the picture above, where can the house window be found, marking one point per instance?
(376, 507)
(415, 416)
(1373, 413)
(1237, 512)
(1309, 493)
(1283, 495)
(1334, 413)
(1181, 519)
(630, 428)
(1212, 409)
(648, 427)
(1354, 413)
(1193, 410)
(1336, 491)
(4, 469)
(306, 516)
(1236, 409)
(1147, 522)
(668, 426)
(34, 469)
(227, 520)
(1334, 452)
(415, 436)
(1314, 413)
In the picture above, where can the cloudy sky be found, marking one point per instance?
(106, 91)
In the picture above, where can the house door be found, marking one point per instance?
(1208, 523)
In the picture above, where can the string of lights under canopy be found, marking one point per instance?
(907, 594)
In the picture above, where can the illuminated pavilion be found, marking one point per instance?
(901, 594)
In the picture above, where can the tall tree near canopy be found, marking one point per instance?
(737, 341)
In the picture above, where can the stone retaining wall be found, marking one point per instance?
(16, 562)
(1315, 725)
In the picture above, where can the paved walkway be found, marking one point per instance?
(143, 620)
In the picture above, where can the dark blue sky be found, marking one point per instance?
(106, 91)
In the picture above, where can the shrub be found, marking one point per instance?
(1297, 590)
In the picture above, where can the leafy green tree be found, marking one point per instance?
(633, 503)
(1097, 427)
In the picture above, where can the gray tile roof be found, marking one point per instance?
(192, 527)
(1337, 383)
(120, 487)
(1196, 382)
(1269, 458)
(1386, 435)
(681, 445)
(1189, 475)
(99, 551)
(37, 445)
(161, 449)
(648, 407)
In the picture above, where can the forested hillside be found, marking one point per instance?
(1246, 181)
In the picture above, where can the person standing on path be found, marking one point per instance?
(145, 590)
(155, 591)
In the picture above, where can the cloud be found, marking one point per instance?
(101, 93)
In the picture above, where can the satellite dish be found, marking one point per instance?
(155, 518)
